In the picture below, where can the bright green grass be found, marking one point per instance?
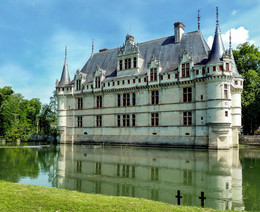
(19, 197)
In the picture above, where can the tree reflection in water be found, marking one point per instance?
(18, 163)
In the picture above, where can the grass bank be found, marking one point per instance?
(19, 197)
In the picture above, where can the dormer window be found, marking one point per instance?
(185, 68)
(120, 65)
(227, 66)
(135, 62)
(78, 84)
(97, 82)
(153, 74)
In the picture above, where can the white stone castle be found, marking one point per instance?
(171, 91)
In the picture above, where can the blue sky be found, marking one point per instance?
(34, 33)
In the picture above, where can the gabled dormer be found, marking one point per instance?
(128, 59)
(78, 81)
(153, 70)
(185, 65)
(98, 77)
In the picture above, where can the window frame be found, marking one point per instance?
(187, 118)
(155, 97)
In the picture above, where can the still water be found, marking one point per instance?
(229, 178)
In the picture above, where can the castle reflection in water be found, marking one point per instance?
(154, 174)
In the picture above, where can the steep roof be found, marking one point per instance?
(65, 77)
(217, 49)
(164, 50)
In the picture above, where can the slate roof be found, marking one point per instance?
(65, 77)
(217, 49)
(164, 50)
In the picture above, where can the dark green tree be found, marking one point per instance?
(247, 58)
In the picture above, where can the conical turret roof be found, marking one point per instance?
(217, 49)
(65, 77)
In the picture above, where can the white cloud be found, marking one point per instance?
(238, 36)
(234, 12)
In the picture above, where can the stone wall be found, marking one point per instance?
(249, 139)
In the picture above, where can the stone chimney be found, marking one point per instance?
(178, 31)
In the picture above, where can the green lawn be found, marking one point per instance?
(19, 197)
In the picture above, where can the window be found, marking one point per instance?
(226, 113)
(79, 166)
(153, 74)
(118, 82)
(154, 119)
(185, 68)
(203, 71)
(133, 120)
(133, 81)
(145, 79)
(197, 72)
(129, 63)
(161, 77)
(79, 121)
(98, 169)
(125, 63)
(187, 177)
(108, 84)
(118, 120)
(133, 99)
(128, 81)
(221, 68)
(155, 97)
(113, 83)
(176, 76)
(126, 99)
(135, 62)
(126, 120)
(225, 91)
(227, 66)
(123, 82)
(187, 94)
(236, 82)
(187, 118)
(80, 103)
(155, 173)
(78, 85)
(62, 89)
(118, 100)
(214, 68)
(120, 64)
(99, 121)
(99, 101)
(201, 97)
(97, 82)
(169, 76)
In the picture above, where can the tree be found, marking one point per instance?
(18, 116)
(247, 58)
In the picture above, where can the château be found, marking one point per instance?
(172, 91)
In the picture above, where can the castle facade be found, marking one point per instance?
(172, 91)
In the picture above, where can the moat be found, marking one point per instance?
(229, 178)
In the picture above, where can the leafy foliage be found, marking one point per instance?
(247, 58)
(19, 117)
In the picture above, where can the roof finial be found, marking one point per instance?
(92, 52)
(199, 20)
(65, 54)
(230, 44)
(217, 16)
